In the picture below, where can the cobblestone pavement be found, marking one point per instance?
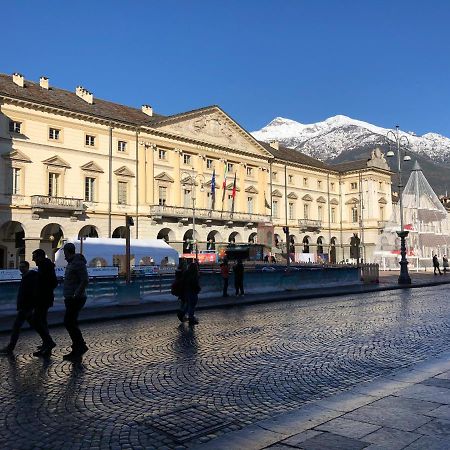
(152, 383)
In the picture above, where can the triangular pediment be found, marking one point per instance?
(333, 201)
(212, 126)
(92, 167)
(163, 176)
(307, 198)
(56, 161)
(208, 184)
(230, 186)
(352, 201)
(16, 155)
(321, 200)
(251, 190)
(292, 196)
(188, 180)
(383, 201)
(276, 193)
(124, 171)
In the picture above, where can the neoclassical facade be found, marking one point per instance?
(73, 165)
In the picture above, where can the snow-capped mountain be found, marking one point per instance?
(327, 140)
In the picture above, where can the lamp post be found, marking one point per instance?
(404, 277)
(193, 182)
(128, 223)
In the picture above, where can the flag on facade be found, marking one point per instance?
(266, 203)
(233, 194)
(213, 189)
(224, 184)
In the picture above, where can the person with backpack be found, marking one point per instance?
(191, 289)
(225, 274)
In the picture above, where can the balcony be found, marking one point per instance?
(309, 225)
(157, 212)
(41, 203)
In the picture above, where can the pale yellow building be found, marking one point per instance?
(73, 165)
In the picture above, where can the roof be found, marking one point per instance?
(291, 155)
(350, 165)
(60, 98)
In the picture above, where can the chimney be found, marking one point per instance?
(146, 109)
(84, 94)
(43, 83)
(18, 79)
(275, 145)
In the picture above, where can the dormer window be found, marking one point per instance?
(15, 127)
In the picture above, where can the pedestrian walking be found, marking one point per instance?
(25, 303)
(46, 284)
(191, 289)
(177, 289)
(238, 270)
(436, 265)
(445, 263)
(75, 281)
(225, 274)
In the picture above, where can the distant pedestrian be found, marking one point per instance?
(225, 274)
(46, 284)
(238, 270)
(445, 263)
(191, 289)
(26, 296)
(75, 281)
(436, 265)
(177, 289)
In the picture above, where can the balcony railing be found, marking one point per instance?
(179, 212)
(309, 225)
(43, 202)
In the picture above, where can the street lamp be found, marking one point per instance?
(193, 182)
(404, 277)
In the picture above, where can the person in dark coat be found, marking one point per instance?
(225, 274)
(46, 284)
(436, 265)
(74, 290)
(26, 296)
(191, 289)
(445, 263)
(177, 289)
(238, 270)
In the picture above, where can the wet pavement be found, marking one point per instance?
(150, 382)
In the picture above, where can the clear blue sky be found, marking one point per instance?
(382, 61)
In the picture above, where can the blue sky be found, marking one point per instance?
(385, 62)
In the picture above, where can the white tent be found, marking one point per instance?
(111, 252)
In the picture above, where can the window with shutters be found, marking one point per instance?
(122, 193)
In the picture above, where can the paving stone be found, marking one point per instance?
(410, 404)
(438, 382)
(390, 438)
(429, 443)
(436, 427)
(347, 401)
(330, 441)
(444, 375)
(443, 412)
(297, 439)
(427, 393)
(347, 428)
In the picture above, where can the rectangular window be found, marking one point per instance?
(354, 214)
(54, 134)
(382, 213)
(333, 215)
(187, 198)
(291, 179)
(90, 140)
(319, 184)
(250, 205)
(209, 163)
(187, 159)
(162, 199)
(53, 184)
(15, 127)
(305, 181)
(305, 211)
(121, 146)
(332, 186)
(291, 211)
(274, 176)
(320, 213)
(250, 171)
(89, 184)
(122, 193)
(354, 185)
(230, 202)
(275, 208)
(380, 183)
(162, 154)
(230, 167)
(210, 200)
(16, 181)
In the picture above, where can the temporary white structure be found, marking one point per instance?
(101, 252)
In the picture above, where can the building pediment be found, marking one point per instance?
(230, 186)
(213, 126)
(209, 182)
(333, 201)
(16, 155)
(276, 193)
(56, 161)
(321, 200)
(352, 201)
(251, 190)
(307, 198)
(163, 176)
(292, 196)
(124, 171)
(383, 201)
(92, 167)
